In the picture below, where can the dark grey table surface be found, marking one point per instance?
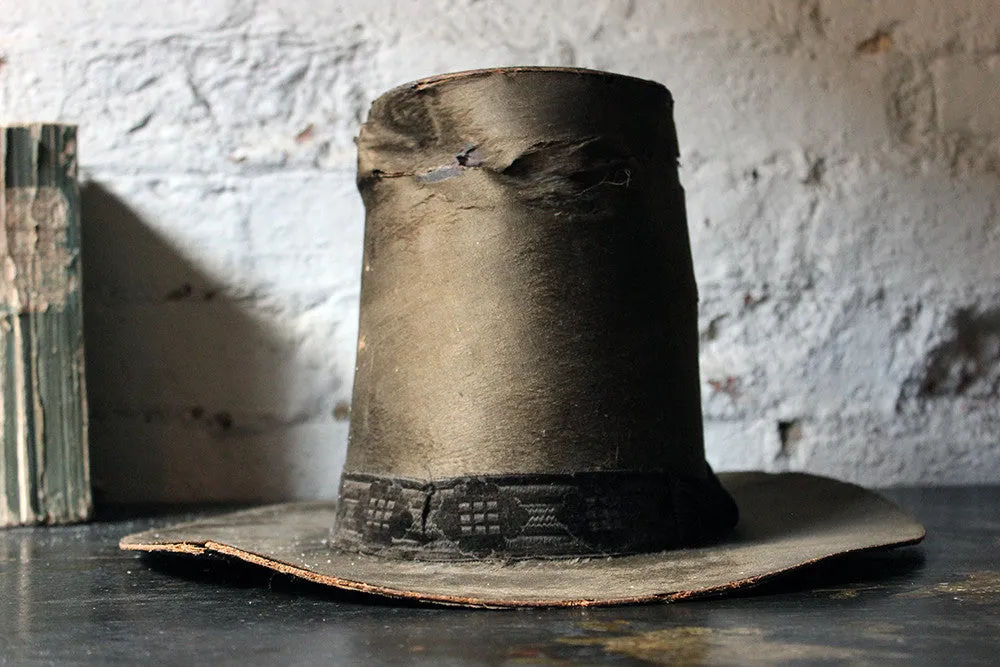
(68, 595)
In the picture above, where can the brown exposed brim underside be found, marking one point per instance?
(787, 521)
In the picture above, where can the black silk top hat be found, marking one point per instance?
(526, 421)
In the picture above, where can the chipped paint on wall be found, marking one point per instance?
(841, 168)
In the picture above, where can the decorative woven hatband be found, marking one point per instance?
(530, 515)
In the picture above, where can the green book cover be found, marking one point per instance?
(44, 475)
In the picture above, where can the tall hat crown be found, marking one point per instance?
(527, 370)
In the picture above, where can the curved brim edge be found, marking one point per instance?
(788, 522)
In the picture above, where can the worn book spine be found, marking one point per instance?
(44, 476)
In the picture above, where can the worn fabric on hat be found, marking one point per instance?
(527, 370)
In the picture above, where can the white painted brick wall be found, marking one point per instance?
(842, 165)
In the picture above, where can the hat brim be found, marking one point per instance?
(787, 521)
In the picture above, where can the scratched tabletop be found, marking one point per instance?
(69, 596)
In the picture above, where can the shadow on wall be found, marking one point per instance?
(180, 377)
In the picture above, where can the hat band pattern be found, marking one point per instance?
(530, 515)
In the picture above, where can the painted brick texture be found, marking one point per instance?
(842, 168)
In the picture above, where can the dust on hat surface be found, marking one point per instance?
(787, 521)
